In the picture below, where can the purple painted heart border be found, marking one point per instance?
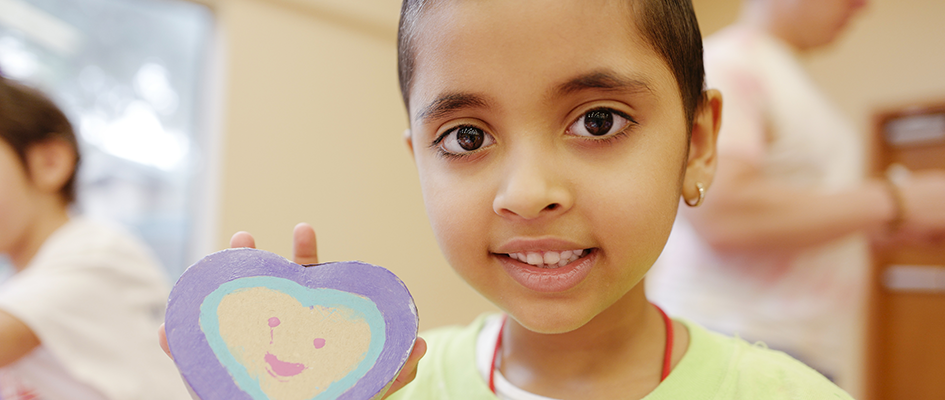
(209, 378)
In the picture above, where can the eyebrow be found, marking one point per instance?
(449, 103)
(602, 80)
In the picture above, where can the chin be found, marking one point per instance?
(549, 322)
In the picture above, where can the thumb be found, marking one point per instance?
(304, 247)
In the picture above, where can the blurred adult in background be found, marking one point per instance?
(77, 318)
(779, 251)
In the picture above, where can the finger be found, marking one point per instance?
(242, 239)
(304, 248)
(162, 338)
(409, 372)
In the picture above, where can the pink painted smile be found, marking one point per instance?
(282, 368)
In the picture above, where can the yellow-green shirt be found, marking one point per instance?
(715, 367)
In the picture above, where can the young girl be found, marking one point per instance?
(77, 317)
(554, 139)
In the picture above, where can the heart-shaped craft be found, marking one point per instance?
(249, 324)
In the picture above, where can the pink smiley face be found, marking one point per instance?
(309, 347)
(278, 368)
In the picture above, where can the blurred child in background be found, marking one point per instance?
(77, 318)
(779, 253)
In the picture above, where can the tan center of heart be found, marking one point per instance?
(294, 351)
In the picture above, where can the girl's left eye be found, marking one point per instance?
(599, 123)
(464, 139)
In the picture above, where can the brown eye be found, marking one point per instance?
(464, 139)
(469, 138)
(598, 122)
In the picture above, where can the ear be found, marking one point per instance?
(703, 157)
(408, 138)
(51, 164)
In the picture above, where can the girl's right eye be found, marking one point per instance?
(463, 140)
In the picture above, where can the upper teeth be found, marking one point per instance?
(548, 259)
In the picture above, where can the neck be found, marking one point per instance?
(41, 228)
(621, 346)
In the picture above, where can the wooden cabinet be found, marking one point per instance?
(906, 328)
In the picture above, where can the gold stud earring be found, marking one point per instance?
(698, 201)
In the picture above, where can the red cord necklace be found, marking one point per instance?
(667, 353)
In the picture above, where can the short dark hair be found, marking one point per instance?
(669, 26)
(27, 118)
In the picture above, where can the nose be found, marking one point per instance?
(533, 187)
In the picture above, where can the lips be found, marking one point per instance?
(541, 272)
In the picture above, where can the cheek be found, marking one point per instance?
(638, 208)
(457, 208)
(643, 212)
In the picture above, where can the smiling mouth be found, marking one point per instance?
(549, 259)
(278, 368)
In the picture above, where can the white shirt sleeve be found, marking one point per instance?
(95, 298)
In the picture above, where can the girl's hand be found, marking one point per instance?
(305, 251)
(923, 203)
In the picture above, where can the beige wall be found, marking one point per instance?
(312, 127)
(312, 119)
(892, 55)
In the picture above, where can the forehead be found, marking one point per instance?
(527, 48)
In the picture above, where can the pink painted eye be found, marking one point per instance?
(274, 322)
(319, 343)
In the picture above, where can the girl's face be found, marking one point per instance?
(17, 201)
(550, 141)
